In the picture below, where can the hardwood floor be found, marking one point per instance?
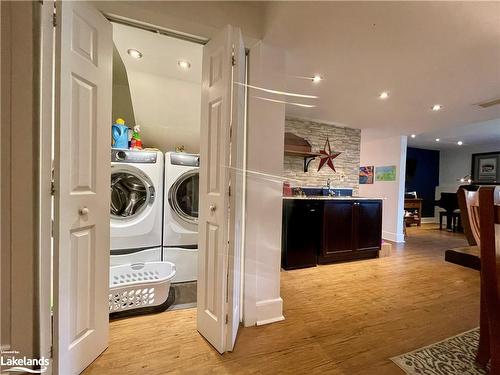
(345, 318)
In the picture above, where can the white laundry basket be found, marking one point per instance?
(137, 285)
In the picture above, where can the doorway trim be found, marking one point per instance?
(155, 29)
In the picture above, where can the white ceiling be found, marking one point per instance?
(166, 99)
(160, 53)
(421, 52)
(482, 133)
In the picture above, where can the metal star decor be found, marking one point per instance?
(327, 156)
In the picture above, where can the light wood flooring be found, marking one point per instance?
(345, 318)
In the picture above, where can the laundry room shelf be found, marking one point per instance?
(139, 285)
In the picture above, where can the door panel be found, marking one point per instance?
(82, 175)
(338, 227)
(301, 233)
(216, 248)
(237, 172)
(369, 225)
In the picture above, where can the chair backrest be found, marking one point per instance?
(484, 214)
(466, 200)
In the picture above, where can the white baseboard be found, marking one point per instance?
(269, 321)
(394, 237)
(269, 311)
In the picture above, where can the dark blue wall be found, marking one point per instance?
(422, 176)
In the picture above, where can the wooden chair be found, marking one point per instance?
(483, 208)
(462, 204)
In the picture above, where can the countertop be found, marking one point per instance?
(328, 198)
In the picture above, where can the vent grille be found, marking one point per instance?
(489, 103)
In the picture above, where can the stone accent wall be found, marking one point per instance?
(342, 139)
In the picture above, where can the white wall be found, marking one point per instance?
(168, 111)
(19, 132)
(265, 137)
(200, 18)
(385, 151)
(455, 164)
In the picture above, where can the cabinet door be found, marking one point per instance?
(368, 225)
(301, 233)
(338, 228)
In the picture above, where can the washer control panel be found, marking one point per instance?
(133, 156)
(188, 160)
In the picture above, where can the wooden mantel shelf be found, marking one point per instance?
(301, 153)
(297, 146)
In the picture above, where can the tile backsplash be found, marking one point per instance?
(342, 139)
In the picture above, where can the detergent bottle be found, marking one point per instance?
(119, 133)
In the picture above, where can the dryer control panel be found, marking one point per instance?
(133, 156)
(188, 160)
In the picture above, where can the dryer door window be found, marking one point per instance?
(130, 194)
(183, 196)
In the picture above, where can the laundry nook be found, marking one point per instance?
(154, 172)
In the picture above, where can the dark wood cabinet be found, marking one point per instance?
(301, 234)
(368, 225)
(326, 231)
(338, 231)
(351, 230)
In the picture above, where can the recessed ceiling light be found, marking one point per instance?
(413, 135)
(460, 143)
(317, 78)
(437, 107)
(437, 139)
(184, 64)
(384, 95)
(134, 53)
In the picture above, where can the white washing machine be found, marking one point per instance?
(136, 206)
(180, 232)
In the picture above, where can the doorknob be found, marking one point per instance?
(213, 207)
(83, 211)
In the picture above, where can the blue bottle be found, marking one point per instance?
(119, 133)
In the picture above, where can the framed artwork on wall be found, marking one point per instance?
(366, 175)
(486, 167)
(386, 173)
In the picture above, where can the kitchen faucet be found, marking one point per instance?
(328, 186)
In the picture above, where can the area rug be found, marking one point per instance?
(454, 355)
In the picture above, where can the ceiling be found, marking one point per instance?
(482, 133)
(160, 53)
(422, 53)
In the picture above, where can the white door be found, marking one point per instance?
(219, 254)
(82, 163)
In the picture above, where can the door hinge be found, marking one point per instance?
(52, 188)
(233, 60)
(54, 19)
(229, 191)
(227, 319)
(51, 352)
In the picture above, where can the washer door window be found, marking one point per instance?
(131, 192)
(183, 196)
